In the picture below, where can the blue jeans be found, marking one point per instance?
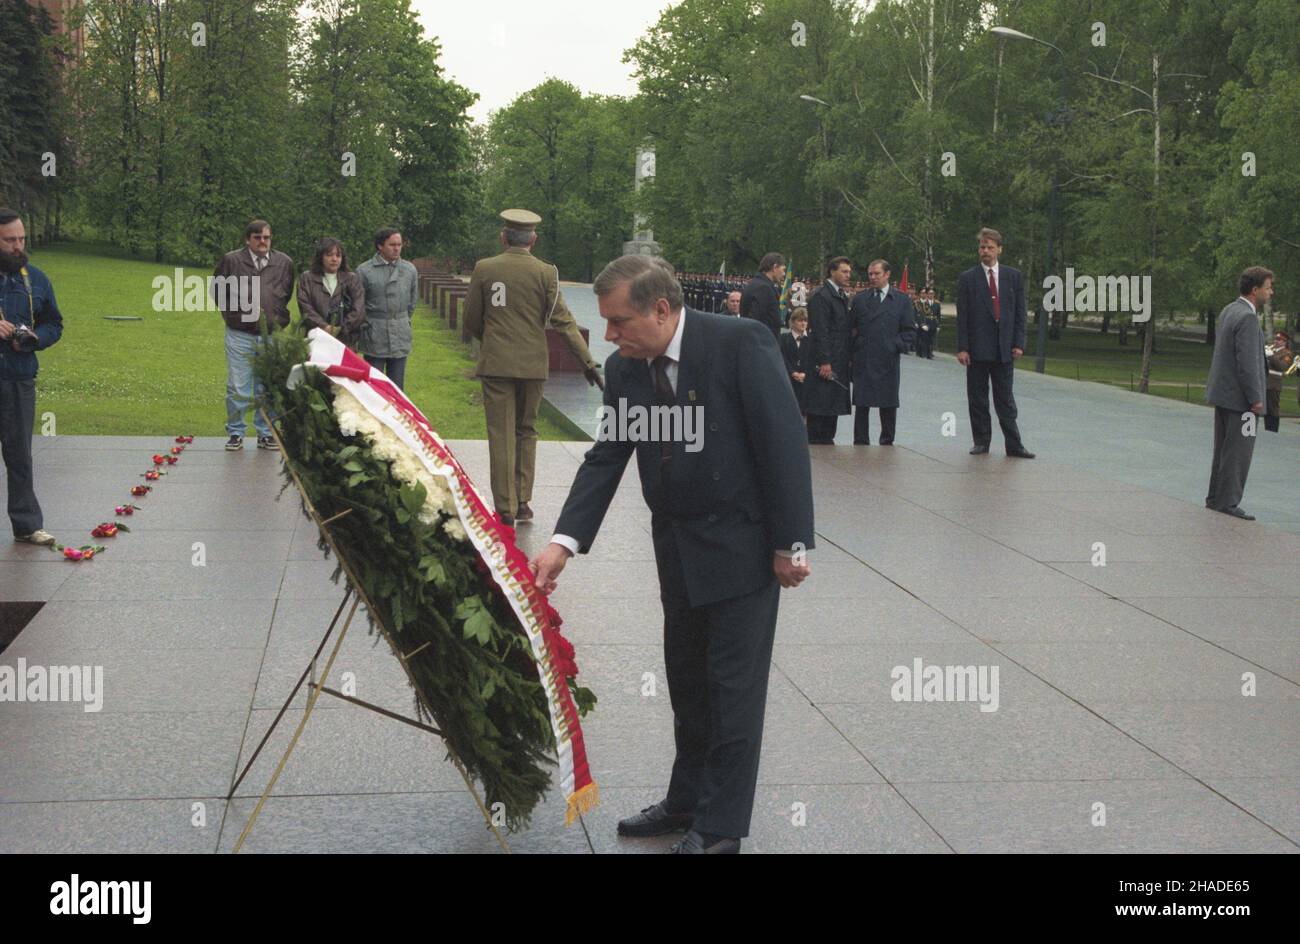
(393, 367)
(17, 419)
(242, 390)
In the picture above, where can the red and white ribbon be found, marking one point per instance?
(493, 541)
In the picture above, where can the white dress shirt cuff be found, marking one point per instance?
(566, 542)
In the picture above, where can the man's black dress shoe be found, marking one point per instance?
(979, 450)
(862, 442)
(886, 442)
(693, 844)
(1021, 453)
(1237, 513)
(655, 821)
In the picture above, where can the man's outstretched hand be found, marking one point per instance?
(789, 573)
(548, 564)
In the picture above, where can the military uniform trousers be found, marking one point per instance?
(511, 406)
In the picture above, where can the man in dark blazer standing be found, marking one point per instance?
(990, 338)
(731, 520)
(1236, 388)
(761, 299)
(829, 328)
(883, 328)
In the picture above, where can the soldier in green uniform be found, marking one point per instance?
(512, 298)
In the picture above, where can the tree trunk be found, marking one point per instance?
(1148, 346)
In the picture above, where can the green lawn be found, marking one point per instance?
(1178, 367)
(166, 375)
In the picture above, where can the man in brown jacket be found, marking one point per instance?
(251, 288)
(512, 297)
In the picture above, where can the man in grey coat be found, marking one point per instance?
(392, 289)
(1236, 389)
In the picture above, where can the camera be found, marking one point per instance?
(25, 338)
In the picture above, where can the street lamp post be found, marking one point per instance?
(821, 191)
(1040, 361)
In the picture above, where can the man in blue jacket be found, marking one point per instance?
(29, 322)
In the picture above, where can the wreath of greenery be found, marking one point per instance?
(474, 669)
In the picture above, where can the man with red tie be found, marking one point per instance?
(990, 337)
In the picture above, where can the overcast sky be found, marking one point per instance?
(500, 48)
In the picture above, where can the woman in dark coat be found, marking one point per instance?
(331, 296)
(796, 348)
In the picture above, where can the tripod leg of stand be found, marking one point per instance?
(293, 742)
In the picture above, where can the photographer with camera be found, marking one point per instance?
(29, 322)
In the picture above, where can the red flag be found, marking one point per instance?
(902, 286)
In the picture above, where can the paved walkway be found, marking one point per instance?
(1121, 723)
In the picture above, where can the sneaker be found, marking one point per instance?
(267, 442)
(234, 442)
(38, 536)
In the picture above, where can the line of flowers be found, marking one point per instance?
(111, 529)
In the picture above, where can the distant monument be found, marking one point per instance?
(642, 242)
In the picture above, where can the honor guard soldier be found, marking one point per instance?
(512, 299)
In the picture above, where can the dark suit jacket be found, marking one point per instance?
(830, 329)
(798, 359)
(977, 332)
(745, 494)
(883, 331)
(761, 300)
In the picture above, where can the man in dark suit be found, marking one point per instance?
(990, 338)
(761, 299)
(731, 519)
(883, 329)
(826, 398)
(1236, 388)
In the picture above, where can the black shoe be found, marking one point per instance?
(1237, 513)
(523, 513)
(234, 442)
(655, 821)
(862, 442)
(1021, 453)
(508, 520)
(886, 442)
(979, 450)
(693, 844)
(267, 442)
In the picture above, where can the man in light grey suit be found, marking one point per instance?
(1236, 388)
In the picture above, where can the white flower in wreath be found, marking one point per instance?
(454, 528)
